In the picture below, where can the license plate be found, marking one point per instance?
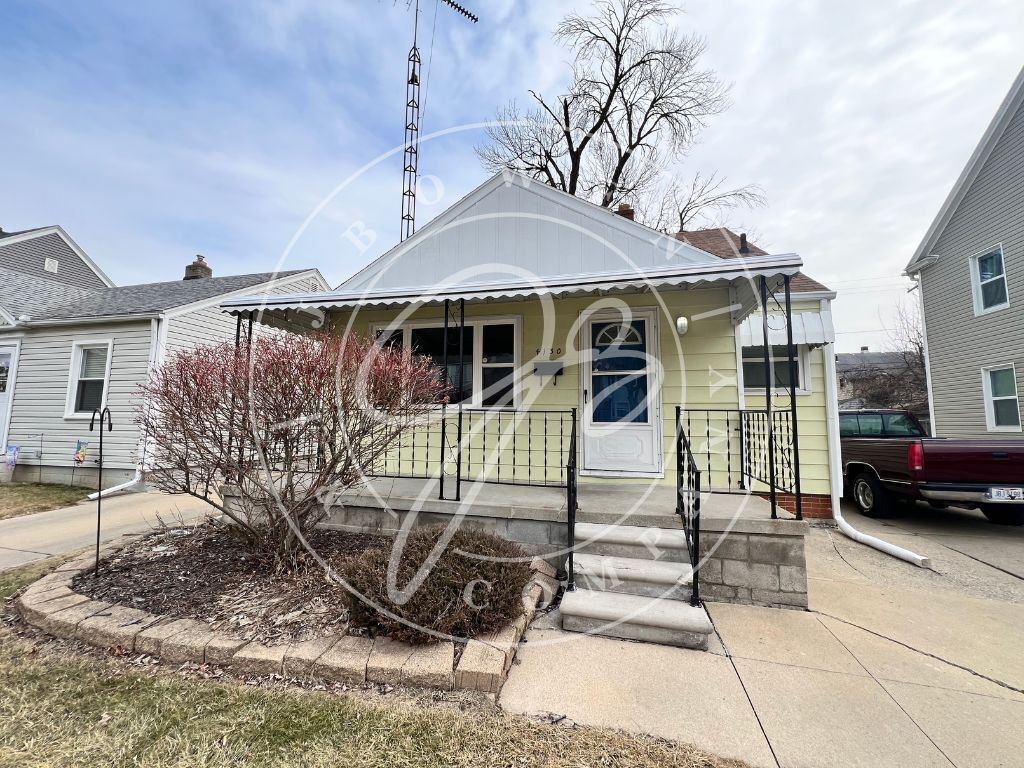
(1007, 494)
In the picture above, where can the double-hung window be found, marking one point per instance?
(754, 376)
(988, 281)
(1002, 406)
(90, 374)
(488, 363)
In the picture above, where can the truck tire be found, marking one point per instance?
(1001, 514)
(870, 497)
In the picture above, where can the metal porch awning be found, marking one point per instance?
(810, 328)
(740, 275)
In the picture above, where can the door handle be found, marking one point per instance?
(584, 395)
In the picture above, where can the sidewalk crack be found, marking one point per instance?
(889, 694)
(923, 653)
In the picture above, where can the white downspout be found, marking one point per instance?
(157, 332)
(836, 470)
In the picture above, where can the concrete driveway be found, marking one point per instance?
(58, 531)
(892, 666)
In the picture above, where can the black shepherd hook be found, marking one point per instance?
(104, 414)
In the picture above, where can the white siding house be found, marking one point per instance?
(94, 347)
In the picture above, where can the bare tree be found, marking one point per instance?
(682, 204)
(288, 422)
(636, 102)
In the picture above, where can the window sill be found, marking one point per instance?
(1004, 429)
(77, 416)
(982, 312)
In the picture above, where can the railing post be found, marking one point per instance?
(792, 401)
(570, 494)
(444, 403)
(462, 381)
(695, 536)
(769, 379)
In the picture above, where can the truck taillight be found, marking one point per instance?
(915, 457)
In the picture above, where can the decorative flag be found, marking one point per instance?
(80, 451)
(12, 456)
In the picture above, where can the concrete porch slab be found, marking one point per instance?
(636, 504)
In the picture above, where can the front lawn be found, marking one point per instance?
(26, 498)
(57, 709)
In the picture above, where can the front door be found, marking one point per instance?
(621, 397)
(6, 390)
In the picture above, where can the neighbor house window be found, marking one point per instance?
(1002, 408)
(90, 370)
(988, 281)
(489, 360)
(754, 377)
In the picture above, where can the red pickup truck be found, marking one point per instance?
(888, 458)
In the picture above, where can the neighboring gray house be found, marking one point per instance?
(82, 344)
(970, 271)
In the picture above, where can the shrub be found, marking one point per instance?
(462, 596)
(288, 420)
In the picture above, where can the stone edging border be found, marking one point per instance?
(51, 605)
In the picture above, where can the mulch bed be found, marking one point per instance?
(203, 573)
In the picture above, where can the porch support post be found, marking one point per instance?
(248, 333)
(238, 330)
(769, 379)
(462, 381)
(791, 351)
(444, 404)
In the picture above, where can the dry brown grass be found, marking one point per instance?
(18, 499)
(62, 710)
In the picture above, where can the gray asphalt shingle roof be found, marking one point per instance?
(150, 298)
(25, 294)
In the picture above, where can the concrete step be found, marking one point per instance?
(641, 542)
(665, 622)
(632, 576)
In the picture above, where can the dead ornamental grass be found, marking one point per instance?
(64, 712)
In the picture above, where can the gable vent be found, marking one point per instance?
(50, 265)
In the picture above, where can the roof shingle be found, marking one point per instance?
(725, 244)
(150, 298)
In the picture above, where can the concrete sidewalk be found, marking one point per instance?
(57, 531)
(891, 667)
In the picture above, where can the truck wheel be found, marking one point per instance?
(870, 497)
(1004, 515)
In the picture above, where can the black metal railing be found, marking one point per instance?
(501, 446)
(571, 507)
(688, 488)
(743, 450)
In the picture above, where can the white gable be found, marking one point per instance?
(514, 228)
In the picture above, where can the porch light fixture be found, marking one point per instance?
(682, 325)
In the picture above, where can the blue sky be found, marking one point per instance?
(153, 131)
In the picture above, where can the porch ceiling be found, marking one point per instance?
(293, 309)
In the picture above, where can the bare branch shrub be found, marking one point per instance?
(288, 421)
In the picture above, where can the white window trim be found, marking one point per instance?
(803, 360)
(478, 344)
(76, 365)
(986, 388)
(972, 262)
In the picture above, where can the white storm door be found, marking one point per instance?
(621, 398)
(6, 389)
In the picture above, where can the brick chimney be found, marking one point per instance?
(626, 211)
(198, 269)
(743, 243)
